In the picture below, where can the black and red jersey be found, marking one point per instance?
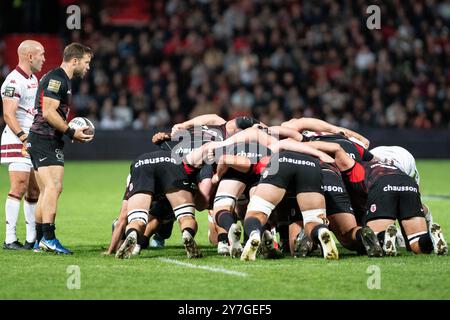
(56, 85)
(362, 176)
(354, 150)
(209, 133)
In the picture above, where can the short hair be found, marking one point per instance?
(76, 50)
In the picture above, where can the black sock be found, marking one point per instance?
(251, 224)
(190, 230)
(359, 248)
(48, 229)
(165, 229)
(380, 237)
(225, 219)
(425, 243)
(315, 233)
(139, 234)
(143, 241)
(39, 231)
(222, 237)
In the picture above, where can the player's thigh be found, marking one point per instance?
(179, 197)
(52, 176)
(310, 201)
(139, 201)
(414, 225)
(269, 192)
(342, 223)
(19, 180)
(232, 187)
(227, 193)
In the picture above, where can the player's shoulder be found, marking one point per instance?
(57, 74)
(13, 78)
(13, 85)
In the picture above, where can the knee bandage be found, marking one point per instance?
(315, 215)
(413, 238)
(258, 204)
(184, 210)
(225, 200)
(138, 215)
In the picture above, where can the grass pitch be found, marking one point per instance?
(91, 200)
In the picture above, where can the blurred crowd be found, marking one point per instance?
(271, 59)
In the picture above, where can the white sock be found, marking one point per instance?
(28, 209)
(12, 208)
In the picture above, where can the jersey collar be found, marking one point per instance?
(23, 73)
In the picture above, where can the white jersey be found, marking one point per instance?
(399, 157)
(21, 87)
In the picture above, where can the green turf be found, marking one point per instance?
(91, 199)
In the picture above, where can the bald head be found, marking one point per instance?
(31, 55)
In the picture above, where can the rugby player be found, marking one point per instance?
(18, 94)
(387, 194)
(301, 173)
(45, 141)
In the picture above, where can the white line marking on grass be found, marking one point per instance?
(190, 265)
(436, 197)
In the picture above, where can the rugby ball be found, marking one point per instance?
(79, 122)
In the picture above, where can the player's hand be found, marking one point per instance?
(326, 158)
(212, 146)
(79, 135)
(176, 128)
(106, 253)
(215, 179)
(24, 140)
(160, 137)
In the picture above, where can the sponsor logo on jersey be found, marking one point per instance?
(333, 189)
(383, 165)
(153, 161)
(9, 91)
(249, 154)
(296, 161)
(373, 208)
(182, 150)
(400, 188)
(54, 85)
(352, 155)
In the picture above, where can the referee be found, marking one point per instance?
(45, 141)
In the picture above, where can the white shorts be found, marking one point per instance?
(20, 166)
(11, 149)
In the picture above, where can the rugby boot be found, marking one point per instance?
(16, 245)
(327, 245)
(303, 245)
(53, 245)
(390, 242)
(126, 249)
(192, 250)
(234, 238)
(251, 247)
(437, 237)
(268, 248)
(223, 248)
(371, 243)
